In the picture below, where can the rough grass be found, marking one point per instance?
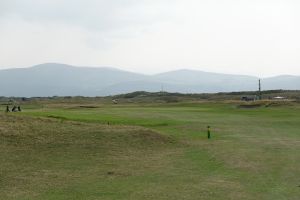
(45, 159)
(253, 154)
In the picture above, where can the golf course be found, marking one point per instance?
(57, 150)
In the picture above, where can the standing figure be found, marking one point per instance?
(19, 108)
(7, 109)
(208, 132)
(14, 109)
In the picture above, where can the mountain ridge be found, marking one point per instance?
(56, 79)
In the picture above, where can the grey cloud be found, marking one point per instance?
(91, 14)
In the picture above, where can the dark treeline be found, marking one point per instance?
(161, 96)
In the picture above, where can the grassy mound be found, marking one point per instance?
(44, 156)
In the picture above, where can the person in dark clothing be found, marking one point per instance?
(7, 109)
(19, 108)
(14, 109)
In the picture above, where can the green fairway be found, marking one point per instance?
(150, 151)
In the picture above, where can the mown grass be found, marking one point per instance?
(65, 151)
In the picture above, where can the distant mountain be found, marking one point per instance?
(62, 80)
(54, 79)
(285, 82)
(208, 82)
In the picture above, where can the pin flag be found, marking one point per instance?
(208, 132)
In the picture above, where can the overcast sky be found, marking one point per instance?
(254, 37)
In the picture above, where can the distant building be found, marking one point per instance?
(279, 98)
(249, 98)
(115, 101)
